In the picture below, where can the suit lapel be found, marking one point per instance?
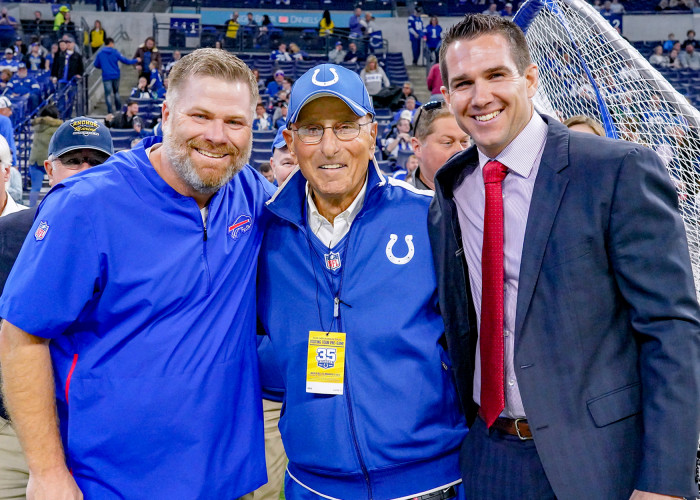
(546, 198)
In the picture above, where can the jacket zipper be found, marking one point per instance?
(336, 309)
(351, 415)
(204, 250)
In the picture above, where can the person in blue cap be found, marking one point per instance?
(281, 161)
(370, 406)
(141, 335)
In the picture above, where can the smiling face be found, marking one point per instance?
(436, 148)
(282, 163)
(335, 169)
(489, 97)
(207, 135)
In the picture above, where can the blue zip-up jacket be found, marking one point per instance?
(152, 343)
(396, 429)
(23, 86)
(108, 61)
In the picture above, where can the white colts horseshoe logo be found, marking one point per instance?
(400, 260)
(329, 82)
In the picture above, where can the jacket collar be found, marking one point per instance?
(289, 202)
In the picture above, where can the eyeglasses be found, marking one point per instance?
(428, 106)
(75, 163)
(345, 131)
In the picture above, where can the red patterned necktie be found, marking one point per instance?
(491, 334)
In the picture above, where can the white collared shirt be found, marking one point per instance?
(11, 206)
(331, 233)
(522, 157)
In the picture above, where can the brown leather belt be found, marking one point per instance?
(514, 427)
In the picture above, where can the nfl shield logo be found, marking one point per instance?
(41, 230)
(332, 261)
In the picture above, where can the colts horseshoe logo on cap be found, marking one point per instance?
(400, 260)
(329, 82)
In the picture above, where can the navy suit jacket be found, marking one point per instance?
(13, 231)
(607, 335)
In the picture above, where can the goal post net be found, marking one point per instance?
(587, 68)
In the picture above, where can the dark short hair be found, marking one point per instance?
(476, 25)
(109, 40)
(49, 110)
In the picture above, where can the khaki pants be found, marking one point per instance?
(14, 473)
(275, 458)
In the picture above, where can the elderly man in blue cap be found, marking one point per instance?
(370, 405)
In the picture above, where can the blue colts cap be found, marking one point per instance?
(81, 133)
(330, 80)
(279, 141)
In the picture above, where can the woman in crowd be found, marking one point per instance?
(325, 25)
(97, 36)
(373, 76)
(296, 53)
(141, 91)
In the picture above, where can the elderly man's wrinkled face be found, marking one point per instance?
(335, 169)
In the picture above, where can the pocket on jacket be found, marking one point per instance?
(616, 405)
(560, 254)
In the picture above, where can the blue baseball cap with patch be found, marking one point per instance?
(329, 80)
(81, 133)
(279, 141)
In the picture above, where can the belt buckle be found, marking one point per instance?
(517, 429)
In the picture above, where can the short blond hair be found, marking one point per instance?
(595, 126)
(216, 63)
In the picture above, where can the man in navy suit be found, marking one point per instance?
(579, 372)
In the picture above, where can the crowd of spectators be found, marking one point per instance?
(674, 54)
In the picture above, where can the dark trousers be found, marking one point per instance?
(498, 466)
(415, 48)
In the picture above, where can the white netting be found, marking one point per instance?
(643, 107)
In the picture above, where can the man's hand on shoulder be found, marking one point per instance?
(645, 495)
(55, 485)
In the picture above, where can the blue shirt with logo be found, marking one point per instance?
(152, 319)
(433, 35)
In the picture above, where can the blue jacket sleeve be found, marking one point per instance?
(65, 289)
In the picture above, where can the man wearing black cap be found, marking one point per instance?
(369, 405)
(69, 154)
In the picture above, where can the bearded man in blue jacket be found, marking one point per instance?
(370, 409)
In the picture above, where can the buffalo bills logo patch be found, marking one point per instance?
(241, 225)
(41, 231)
(332, 261)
